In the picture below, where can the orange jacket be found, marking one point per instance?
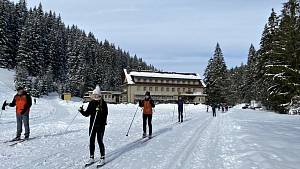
(147, 106)
(22, 102)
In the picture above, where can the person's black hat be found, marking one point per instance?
(147, 93)
(20, 88)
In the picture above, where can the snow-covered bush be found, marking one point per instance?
(295, 105)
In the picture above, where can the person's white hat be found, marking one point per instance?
(97, 91)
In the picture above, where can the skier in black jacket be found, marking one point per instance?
(180, 103)
(97, 110)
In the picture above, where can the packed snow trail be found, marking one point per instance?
(237, 139)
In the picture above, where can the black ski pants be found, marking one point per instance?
(214, 113)
(180, 115)
(99, 132)
(149, 118)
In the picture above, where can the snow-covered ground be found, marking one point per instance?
(236, 139)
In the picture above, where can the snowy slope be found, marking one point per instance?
(238, 139)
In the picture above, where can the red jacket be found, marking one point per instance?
(22, 102)
(147, 106)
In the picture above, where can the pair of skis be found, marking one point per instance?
(15, 142)
(138, 141)
(98, 165)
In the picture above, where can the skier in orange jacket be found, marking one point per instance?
(147, 104)
(22, 101)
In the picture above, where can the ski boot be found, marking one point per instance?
(101, 162)
(90, 161)
(16, 139)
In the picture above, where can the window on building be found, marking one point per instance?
(138, 88)
(167, 89)
(194, 90)
(145, 88)
(109, 96)
(105, 96)
(156, 88)
(162, 89)
(178, 89)
(173, 89)
(183, 89)
(155, 80)
(150, 89)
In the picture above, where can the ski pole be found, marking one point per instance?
(185, 112)
(132, 121)
(90, 134)
(173, 114)
(71, 122)
(1, 114)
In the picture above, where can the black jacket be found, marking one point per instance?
(180, 103)
(99, 107)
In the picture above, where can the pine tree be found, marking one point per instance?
(237, 78)
(284, 69)
(50, 57)
(216, 78)
(4, 41)
(250, 89)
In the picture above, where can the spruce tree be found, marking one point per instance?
(250, 87)
(284, 69)
(216, 78)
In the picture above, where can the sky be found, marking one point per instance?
(173, 35)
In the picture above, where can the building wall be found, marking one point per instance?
(109, 97)
(165, 92)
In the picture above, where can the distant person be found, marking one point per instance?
(214, 107)
(207, 107)
(34, 100)
(180, 103)
(97, 110)
(147, 104)
(223, 108)
(23, 102)
(226, 107)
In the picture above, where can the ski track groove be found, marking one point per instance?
(182, 154)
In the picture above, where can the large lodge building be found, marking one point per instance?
(165, 87)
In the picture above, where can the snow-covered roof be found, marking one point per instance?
(193, 94)
(128, 77)
(169, 75)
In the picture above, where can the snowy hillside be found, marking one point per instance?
(238, 139)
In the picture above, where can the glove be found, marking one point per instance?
(81, 110)
(4, 105)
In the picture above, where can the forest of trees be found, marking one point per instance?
(50, 56)
(272, 73)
